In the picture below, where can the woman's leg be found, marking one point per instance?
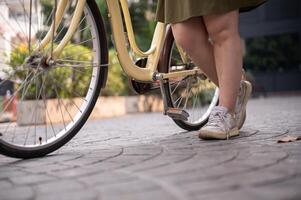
(223, 31)
(192, 36)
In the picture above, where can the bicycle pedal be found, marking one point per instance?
(177, 114)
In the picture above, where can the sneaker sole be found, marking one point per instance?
(210, 135)
(248, 92)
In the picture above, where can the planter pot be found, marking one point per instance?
(106, 107)
(30, 112)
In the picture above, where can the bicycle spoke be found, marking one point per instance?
(193, 106)
(15, 46)
(14, 134)
(53, 100)
(31, 119)
(47, 22)
(176, 101)
(7, 127)
(176, 88)
(38, 17)
(29, 27)
(83, 29)
(72, 93)
(42, 95)
(187, 96)
(35, 112)
(79, 43)
(29, 128)
(75, 55)
(10, 42)
(53, 28)
(10, 26)
(17, 21)
(8, 105)
(38, 95)
(78, 63)
(47, 112)
(72, 101)
(60, 32)
(11, 99)
(58, 99)
(38, 98)
(179, 103)
(10, 123)
(26, 17)
(80, 71)
(25, 13)
(185, 92)
(66, 109)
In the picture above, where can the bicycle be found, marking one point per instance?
(62, 56)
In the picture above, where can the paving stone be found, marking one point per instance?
(31, 179)
(146, 156)
(74, 195)
(130, 187)
(234, 193)
(59, 186)
(74, 172)
(48, 168)
(11, 173)
(283, 191)
(17, 193)
(148, 195)
(233, 181)
(5, 184)
(107, 178)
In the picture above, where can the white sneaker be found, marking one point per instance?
(241, 102)
(221, 125)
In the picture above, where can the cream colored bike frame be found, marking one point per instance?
(149, 73)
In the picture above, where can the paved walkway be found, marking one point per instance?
(147, 156)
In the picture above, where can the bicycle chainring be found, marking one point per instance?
(137, 86)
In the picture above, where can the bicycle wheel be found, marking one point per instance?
(44, 106)
(195, 94)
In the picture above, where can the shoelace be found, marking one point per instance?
(217, 119)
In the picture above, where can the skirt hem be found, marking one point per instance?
(165, 18)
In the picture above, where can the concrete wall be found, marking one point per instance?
(274, 17)
(105, 107)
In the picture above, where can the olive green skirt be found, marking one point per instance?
(172, 11)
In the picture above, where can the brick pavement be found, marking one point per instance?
(146, 156)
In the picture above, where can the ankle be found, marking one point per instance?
(230, 110)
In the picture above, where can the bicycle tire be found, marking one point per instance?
(17, 151)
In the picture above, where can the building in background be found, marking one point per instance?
(13, 21)
(273, 37)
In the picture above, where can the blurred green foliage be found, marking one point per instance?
(273, 53)
(117, 82)
(60, 81)
(143, 19)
